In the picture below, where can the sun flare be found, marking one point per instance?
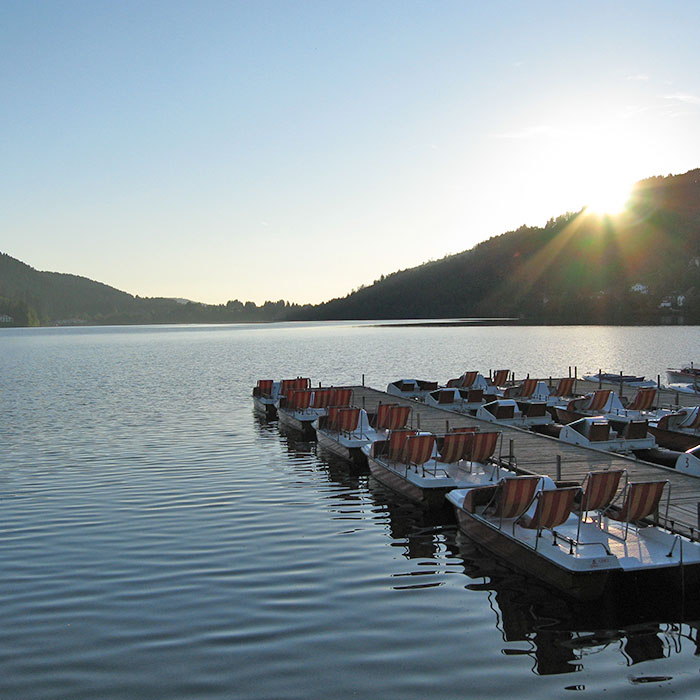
(608, 198)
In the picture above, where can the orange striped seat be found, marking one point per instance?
(418, 449)
(643, 400)
(455, 447)
(527, 388)
(348, 419)
(398, 417)
(382, 419)
(342, 397)
(599, 489)
(500, 377)
(553, 508)
(565, 387)
(322, 398)
(299, 399)
(514, 495)
(641, 500)
(265, 387)
(332, 420)
(397, 441)
(483, 445)
(599, 399)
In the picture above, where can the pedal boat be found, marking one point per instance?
(344, 431)
(601, 433)
(519, 414)
(424, 468)
(265, 394)
(300, 408)
(415, 389)
(533, 525)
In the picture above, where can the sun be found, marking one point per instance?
(608, 198)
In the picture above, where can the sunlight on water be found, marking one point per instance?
(159, 540)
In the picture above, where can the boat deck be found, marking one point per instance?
(540, 454)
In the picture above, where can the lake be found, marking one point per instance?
(160, 541)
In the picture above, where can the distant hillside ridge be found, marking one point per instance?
(29, 298)
(641, 266)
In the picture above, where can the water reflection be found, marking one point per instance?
(559, 634)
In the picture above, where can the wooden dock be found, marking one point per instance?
(540, 454)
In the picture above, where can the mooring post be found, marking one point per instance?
(600, 378)
(418, 420)
(447, 426)
(511, 456)
(558, 468)
(363, 380)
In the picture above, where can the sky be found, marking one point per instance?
(264, 150)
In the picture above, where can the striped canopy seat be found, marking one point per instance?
(418, 449)
(500, 377)
(347, 419)
(392, 416)
(553, 508)
(323, 398)
(299, 383)
(565, 387)
(513, 496)
(464, 382)
(598, 400)
(264, 388)
(299, 399)
(397, 441)
(643, 400)
(598, 489)
(523, 391)
(455, 447)
(482, 447)
(341, 397)
(641, 499)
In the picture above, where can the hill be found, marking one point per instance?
(30, 298)
(642, 266)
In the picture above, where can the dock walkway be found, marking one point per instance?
(538, 454)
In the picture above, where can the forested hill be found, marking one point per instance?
(642, 266)
(29, 297)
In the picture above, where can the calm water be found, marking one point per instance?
(159, 541)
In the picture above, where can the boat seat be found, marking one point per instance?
(553, 508)
(599, 431)
(635, 430)
(641, 499)
(513, 496)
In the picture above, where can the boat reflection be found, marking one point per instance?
(559, 634)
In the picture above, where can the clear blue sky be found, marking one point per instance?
(265, 150)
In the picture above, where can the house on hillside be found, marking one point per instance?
(639, 288)
(5, 319)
